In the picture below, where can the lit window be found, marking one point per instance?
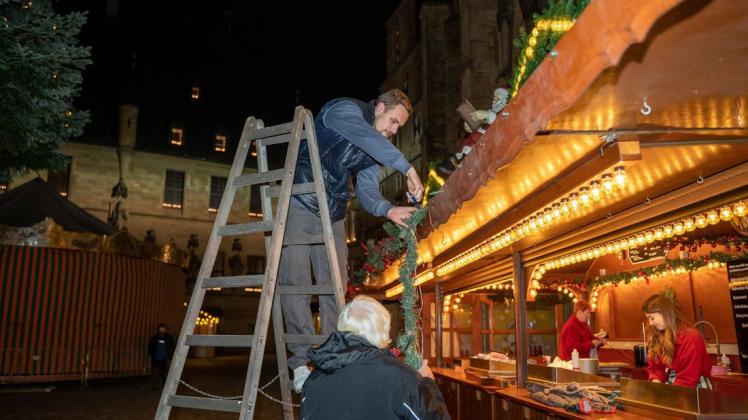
(173, 189)
(177, 136)
(217, 185)
(195, 93)
(3, 187)
(219, 143)
(255, 204)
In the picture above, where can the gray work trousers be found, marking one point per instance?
(295, 270)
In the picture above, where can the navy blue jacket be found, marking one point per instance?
(349, 146)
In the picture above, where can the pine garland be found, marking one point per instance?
(544, 39)
(408, 342)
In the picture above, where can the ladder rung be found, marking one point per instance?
(206, 340)
(304, 338)
(285, 138)
(272, 131)
(246, 228)
(305, 188)
(231, 406)
(234, 281)
(317, 289)
(259, 178)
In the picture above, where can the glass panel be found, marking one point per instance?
(463, 314)
(542, 344)
(466, 344)
(503, 343)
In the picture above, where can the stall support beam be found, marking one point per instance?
(439, 310)
(520, 320)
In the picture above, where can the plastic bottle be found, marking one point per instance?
(575, 359)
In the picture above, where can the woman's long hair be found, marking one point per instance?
(662, 343)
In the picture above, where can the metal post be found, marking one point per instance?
(520, 320)
(438, 311)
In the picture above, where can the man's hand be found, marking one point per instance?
(425, 371)
(414, 184)
(399, 215)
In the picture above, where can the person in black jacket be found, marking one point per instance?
(356, 377)
(161, 350)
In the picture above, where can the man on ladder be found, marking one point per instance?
(353, 138)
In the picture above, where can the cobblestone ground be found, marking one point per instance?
(133, 398)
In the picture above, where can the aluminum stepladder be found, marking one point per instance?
(293, 133)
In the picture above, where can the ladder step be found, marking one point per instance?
(317, 289)
(272, 131)
(234, 281)
(231, 406)
(305, 188)
(219, 340)
(284, 138)
(246, 228)
(304, 338)
(259, 178)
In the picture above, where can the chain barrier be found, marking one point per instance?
(239, 397)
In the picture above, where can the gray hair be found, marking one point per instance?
(366, 317)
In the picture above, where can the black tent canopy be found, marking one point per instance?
(35, 200)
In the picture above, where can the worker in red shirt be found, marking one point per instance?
(676, 353)
(576, 333)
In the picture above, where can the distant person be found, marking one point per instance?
(576, 333)
(676, 353)
(161, 350)
(356, 377)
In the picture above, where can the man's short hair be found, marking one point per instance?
(366, 317)
(394, 97)
(582, 305)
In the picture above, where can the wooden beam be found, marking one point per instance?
(438, 311)
(520, 320)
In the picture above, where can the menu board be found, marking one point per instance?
(737, 275)
(647, 253)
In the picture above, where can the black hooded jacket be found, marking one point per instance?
(353, 379)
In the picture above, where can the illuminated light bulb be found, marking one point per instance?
(542, 269)
(547, 216)
(712, 217)
(668, 231)
(659, 234)
(535, 284)
(700, 221)
(725, 213)
(595, 191)
(739, 209)
(584, 196)
(594, 293)
(594, 299)
(566, 291)
(608, 184)
(539, 219)
(533, 40)
(525, 228)
(678, 228)
(533, 292)
(631, 242)
(616, 247)
(573, 201)
(608, 249)
(454, 306)
(457, 300)
(556, 210)
(559, 288)
(565, 209)
(689, 225)
(593, 306)
(529, 52)
(533, 225)
(535, 32)
(619, 175)
(537, 276)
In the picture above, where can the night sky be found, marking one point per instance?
(247, 57)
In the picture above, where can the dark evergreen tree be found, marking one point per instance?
(41, 63)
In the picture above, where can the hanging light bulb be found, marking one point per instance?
(559, 288)
(632, 241)
(620, 176)
(725, 214)
(532, 223)
(539, 219)
(595, 191)
(608, 184)
(739, 209)
(533, 292)
(584, 196)
(547, 216)
(616, 246)
(573, 201)
(535, 284)
(668, 231)
(609, 248)
(565, 209)
(678, 228)
(640, 239)
(556, 210)
(700, 221)
(712, 217)
(649, 237)
(689, 225)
